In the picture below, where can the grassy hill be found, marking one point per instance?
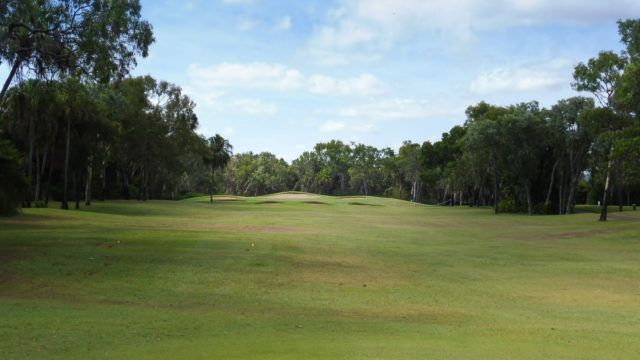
(316, 278)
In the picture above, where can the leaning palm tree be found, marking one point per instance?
(219, 155)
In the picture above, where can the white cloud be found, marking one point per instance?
(245, 24)
(546, 76)
(284, 24)
(228, 131)
(218, 78)
(252, 106)
(332, 126)
(213, 101)
(359, 29)
(255, 75)
(401, 109)
(363, 85)
(237, 2)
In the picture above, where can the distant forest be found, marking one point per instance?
(76, 128)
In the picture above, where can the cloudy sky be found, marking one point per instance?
(280, 76)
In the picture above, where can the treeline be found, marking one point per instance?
(76, 127)
(518, 158)
(80, 128)
(134, 139)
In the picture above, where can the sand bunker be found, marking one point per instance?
(292, 196)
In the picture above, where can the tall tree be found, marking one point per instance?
(97, 38)
(409, 160)
(218, 156)
(601, 76)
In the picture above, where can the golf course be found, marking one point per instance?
(300, 276)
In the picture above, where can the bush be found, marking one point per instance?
(40, 204)
(12, 181)
(509, 206)
(188, 195)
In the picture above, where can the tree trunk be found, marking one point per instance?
(527, 189)
(31, 144)
(495, 183)
(125, 186)
(603, 212)
(65, 204)
(87, 189)
(36, 197)
(212, 183)
(619, 187)
(41, 171)
(553, 173)
(103, 180)
(76, 194)
(15, 67)
(561, 194)
(53, 156)
(572, 194)
(364, 185)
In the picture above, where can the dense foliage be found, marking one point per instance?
(80, 127)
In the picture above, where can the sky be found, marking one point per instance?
(281, 76)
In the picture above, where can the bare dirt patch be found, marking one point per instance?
(625, 217)
(292, 196)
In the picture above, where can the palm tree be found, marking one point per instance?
(219, 155)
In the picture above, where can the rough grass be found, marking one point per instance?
(165, 280)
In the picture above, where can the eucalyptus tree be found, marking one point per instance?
(485, 141)
(613, 79)
(306, 167)
(100, 39)
(409, 160)
(524, 134)
(337, 155)
(364, 164)
(571, 142)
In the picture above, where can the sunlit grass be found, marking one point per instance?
(324, 279)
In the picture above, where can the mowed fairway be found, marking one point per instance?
(328, 278)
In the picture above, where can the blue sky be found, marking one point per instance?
(280, 76)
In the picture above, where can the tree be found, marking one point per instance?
(363, 167)
(12, 182)
(524, 134)
(571, 142)
(485, 140)
(613, 79)
(97, 38)
(409, 160)
(218, 156)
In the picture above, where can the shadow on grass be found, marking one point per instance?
(362, 204)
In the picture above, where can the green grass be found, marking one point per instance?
(440, 282)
